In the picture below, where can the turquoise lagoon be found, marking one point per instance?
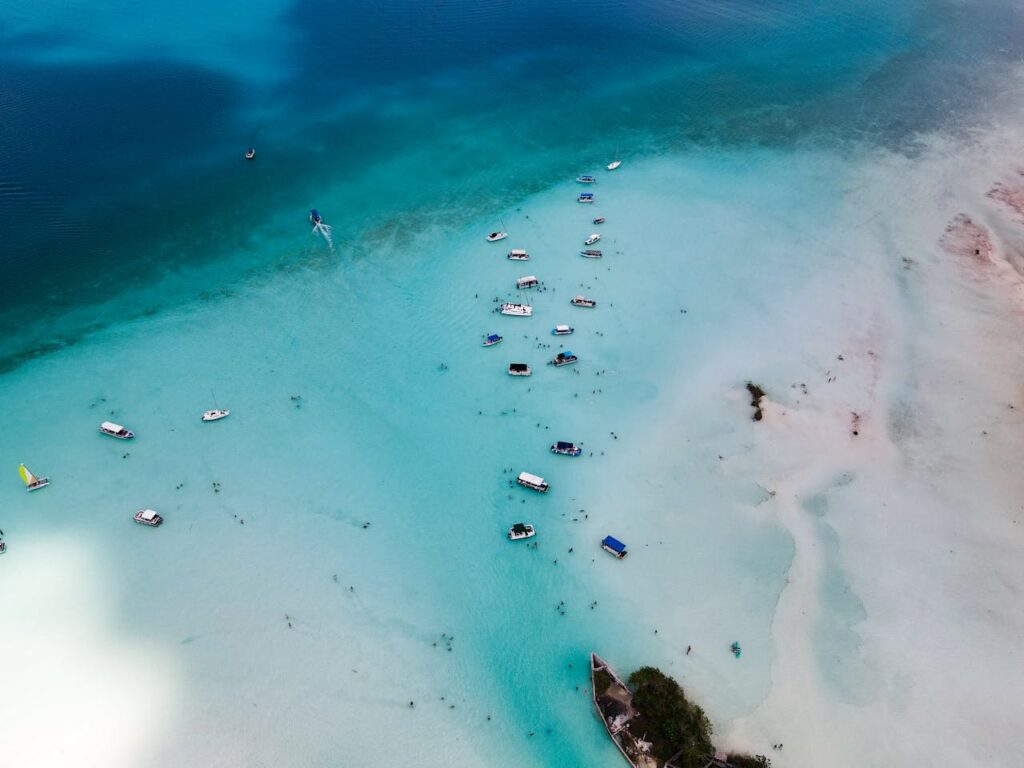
(372, 441)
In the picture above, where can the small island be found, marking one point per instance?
(654, 725)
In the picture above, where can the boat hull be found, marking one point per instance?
(41, 483)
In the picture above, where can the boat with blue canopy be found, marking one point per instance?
(613, 546)
(563, 330)
(585, 197)
(492, 339)
(564, 358)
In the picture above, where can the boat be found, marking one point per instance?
(148, 517)
(592, 239)
(600, 220)
(615, 547)
(590, 254)
(564, 358)
(614, 164)
(490, 341)
(613, 702)
(582, 301)
(586, 179)
(314, 217)
(562, 330)
(566, 449)
(736, 650)
(585, 197)
(32, 483)
(518, 254)
(528, 281)
(519, 369)
(216, 414)
(496, 236)
(521, 531)
(516, 310)
(116, 430)
(3, 547)
(533, 482)
(250, 153)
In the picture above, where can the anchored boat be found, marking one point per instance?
(314, 217)
(564, 358)
(521, 531)
(582, 301)
(585, 197)
(562, 330)
(116, 430)
(533, 482)
(216, 414)
(586, 179)
(519, 369)
(528, 281)
(566, 449)
(32, 483)
(148, 517)
(518, 254)
(516, 310)
(600, 220)
(590, 254)
(592, 239)
(496, 236)
(613, 546)
(490, 341)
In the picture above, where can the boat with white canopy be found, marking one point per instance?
(116, 430)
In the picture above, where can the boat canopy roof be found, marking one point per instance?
(612, 543)
(111, 426)
(521, 528)
(528, 278)
(147, 514)
(526, 477)
(567, 353)
(518, 366)
(563, 444)
(562, 328)
(493, 337)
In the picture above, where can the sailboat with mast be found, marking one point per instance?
(615, 163)
(217, 413)
(501, 234)
(32, 483)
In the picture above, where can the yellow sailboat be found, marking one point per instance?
(32, 483)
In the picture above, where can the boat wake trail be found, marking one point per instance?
(325, 230)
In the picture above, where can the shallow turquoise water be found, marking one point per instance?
(167, 267)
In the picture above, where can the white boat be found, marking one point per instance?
(148, 517)
(496, 236)
(519, 369)
(533, 482)
(516, 310)
(592, 239)
(614, 164)
(250, 153)
(528, 281)
(562, 330)
(520, 531)
(600, 220)
(116, 430)
(582, 301)
(32, 483)
(586, 179)
(518, 254)
(216, 414)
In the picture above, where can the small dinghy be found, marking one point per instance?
(32, 483)
(562, 330)
(533, 482)
(490, 341)
(216, 414)
(592, 239)
(496, 236)
(600, 220)
(563, 448)
(519, 369)
(520, 531)
(582, 301)
(585, 197)
(148, 517)
(516, 310)
(518, 254)
(250, 153)
(563, 358)
(116, 430)
(586, 179)
(613, 546)
(590, 254)
(614, 164)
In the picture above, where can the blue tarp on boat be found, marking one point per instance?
(612, 543)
